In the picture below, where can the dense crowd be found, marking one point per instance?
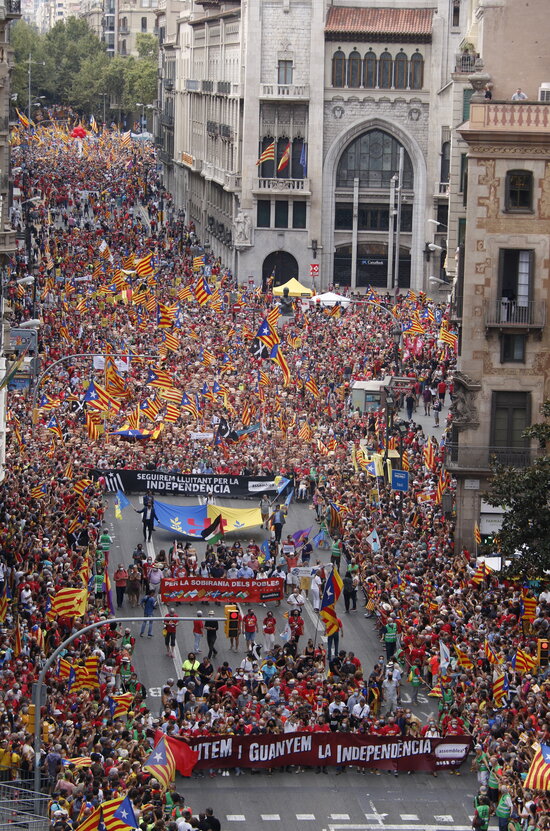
(95, 213)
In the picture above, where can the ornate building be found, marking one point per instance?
(505, 344)
(349, 107)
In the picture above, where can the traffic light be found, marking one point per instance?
(232, 620)
(30, 722)
(543, 650)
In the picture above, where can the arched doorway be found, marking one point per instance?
(372, 162)
(282, 265)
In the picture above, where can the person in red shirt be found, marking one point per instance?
(296, 623)
(250, 627)
(198, 631)
(269, 626)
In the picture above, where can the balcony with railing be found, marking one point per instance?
(288, 92)
(232, 182)
(507, 116)
(506, 314)
(301, 186)
(13, 8)
(483, 457)
(465, 63)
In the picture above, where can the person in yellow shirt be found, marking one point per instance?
(5, 761)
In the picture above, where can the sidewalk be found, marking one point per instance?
(427, 422)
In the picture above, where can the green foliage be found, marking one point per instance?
(525, 494)
(70, 66)
(147, 46)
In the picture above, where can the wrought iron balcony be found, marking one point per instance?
(513, 314)
(465, 63)
(13, 8)
(483, 457)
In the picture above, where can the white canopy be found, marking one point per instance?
(329, 298)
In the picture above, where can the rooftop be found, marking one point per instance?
(346, 23)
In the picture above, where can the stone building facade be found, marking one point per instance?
(336, 90)
(504, 360)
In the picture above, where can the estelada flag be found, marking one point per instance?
(538, 775)
(144, 266)
(115, 815)
(490, 654)
(529, 604)
(70, 602)
(120, 704)
(184, 756)
(161, 764)
(523, 662)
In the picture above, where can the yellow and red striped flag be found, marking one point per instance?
(523, 662)
(305, 432)
(116, 815)
(311, 386)
(538, 775)
(78, 762)
(161, 764)
(490, 654)
(70, 602)
(93, 427)
(477, 534)
(529, 605)
(463, 659)
(482, 571)
(120, 704)
(267, 155)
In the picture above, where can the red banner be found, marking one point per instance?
(195, 589)
(321, 749)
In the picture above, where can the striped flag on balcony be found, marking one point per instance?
(267, 155)
(285, 158)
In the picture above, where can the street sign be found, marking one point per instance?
(400, 480)
(314, 270)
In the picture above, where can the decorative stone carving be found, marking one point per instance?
(490, 202)
(243, 229)
(463, 408)
(544, 204)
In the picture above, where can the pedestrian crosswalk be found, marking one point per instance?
(374, 822)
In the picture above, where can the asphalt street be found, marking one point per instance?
(352, 801)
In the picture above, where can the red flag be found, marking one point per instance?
(184, 756)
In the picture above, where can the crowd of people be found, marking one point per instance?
(97, 211)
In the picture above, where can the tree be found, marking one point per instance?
(27, 42)
(147, 46)
(524, 537)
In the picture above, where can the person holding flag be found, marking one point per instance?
(333, 624)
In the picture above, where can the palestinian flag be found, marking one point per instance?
(214, 531)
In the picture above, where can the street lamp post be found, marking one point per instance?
(390, 403)
(29, 83)
(104, 95)
(49, 662)
(396, 337)
(80, 355)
